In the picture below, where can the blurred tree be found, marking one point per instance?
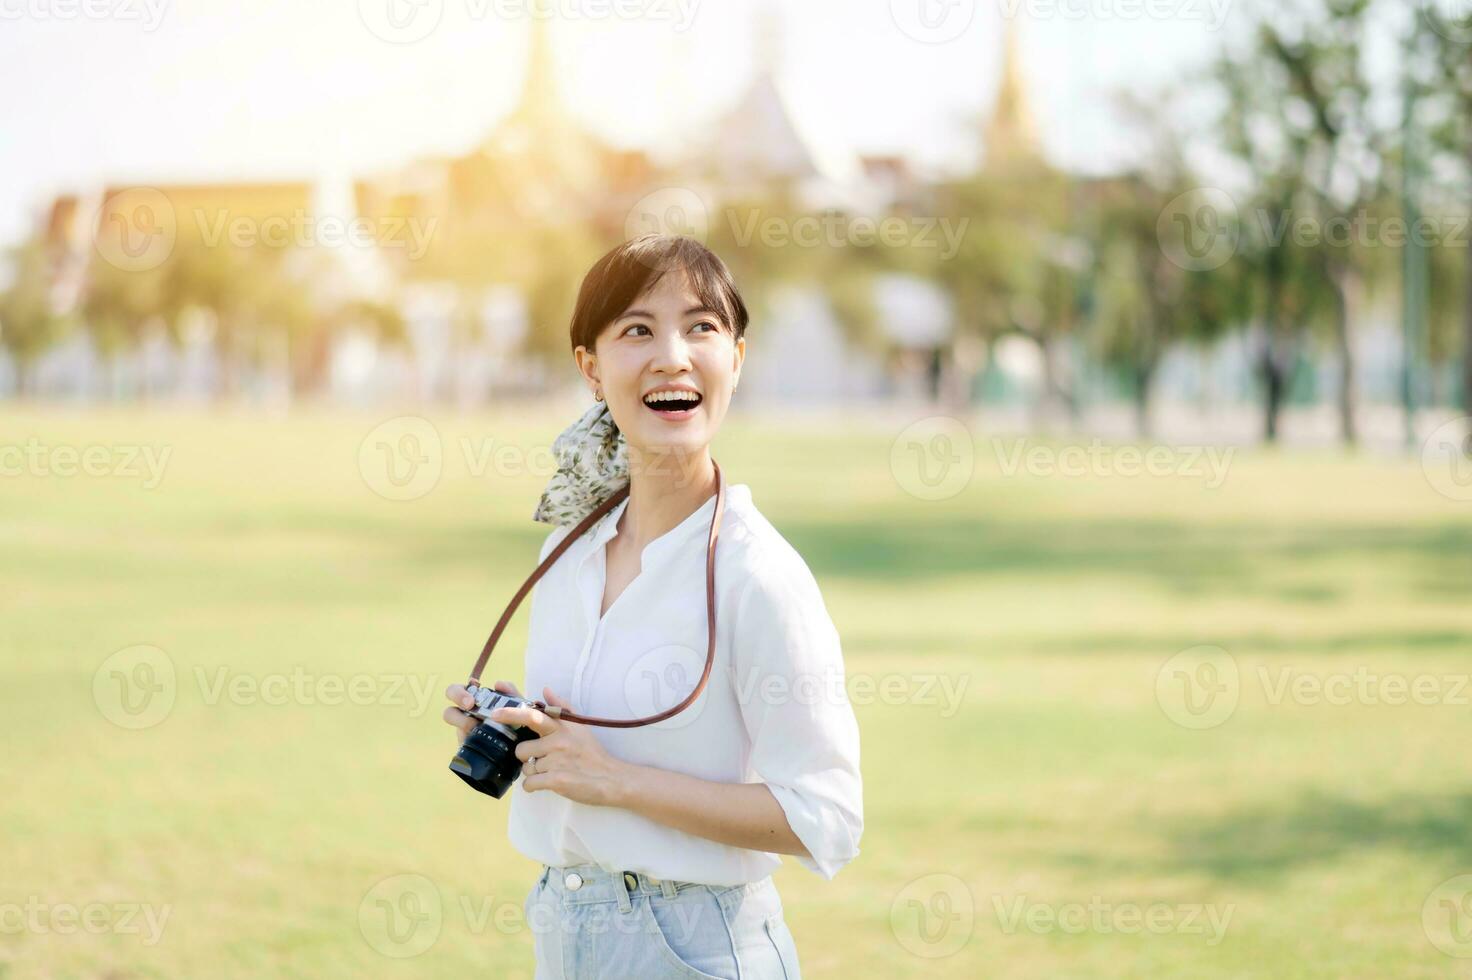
(29, 322)
(1300, 94)
(1440, 59)
(116, 307)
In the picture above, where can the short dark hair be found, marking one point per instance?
(623, 275)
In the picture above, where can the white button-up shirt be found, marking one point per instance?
(774, 711)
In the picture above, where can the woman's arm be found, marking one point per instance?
(739, 814)
(571, 762)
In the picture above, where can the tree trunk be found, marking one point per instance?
(1144, 374)
(1276, 368)
(1344, 283)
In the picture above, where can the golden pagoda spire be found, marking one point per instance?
(1011, 133)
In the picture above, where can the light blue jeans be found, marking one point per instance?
(591, 923)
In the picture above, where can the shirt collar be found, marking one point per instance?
(738, 495)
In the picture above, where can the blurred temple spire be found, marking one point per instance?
(1012, 132)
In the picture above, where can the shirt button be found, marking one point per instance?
(573, 881)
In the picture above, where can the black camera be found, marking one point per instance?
(487, 758)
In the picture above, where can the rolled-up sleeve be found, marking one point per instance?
(794, 704)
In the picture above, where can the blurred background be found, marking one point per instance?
(1110, 365)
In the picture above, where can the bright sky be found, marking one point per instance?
(141, 91)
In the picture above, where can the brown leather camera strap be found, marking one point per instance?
(710, 612)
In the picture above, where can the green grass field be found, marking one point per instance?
(1056, 822)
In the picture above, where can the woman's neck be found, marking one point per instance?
(664, 489)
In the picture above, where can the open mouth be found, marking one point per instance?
(673, 404)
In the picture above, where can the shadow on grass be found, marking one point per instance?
(1264, 841)
(1258, 844)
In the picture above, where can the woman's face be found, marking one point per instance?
(666, 340)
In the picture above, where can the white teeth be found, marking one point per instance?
(669, 396)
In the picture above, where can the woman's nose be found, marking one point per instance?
(671, 353)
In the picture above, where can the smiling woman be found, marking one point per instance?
(672, 828)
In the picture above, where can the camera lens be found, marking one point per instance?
(487, 758)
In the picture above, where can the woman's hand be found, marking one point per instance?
(462, 701)
(566, 758)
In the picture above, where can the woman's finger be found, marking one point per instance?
(525, 716)
(506, 687)
(458, 718)
(459, 695)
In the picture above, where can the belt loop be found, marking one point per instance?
(667, 888)
(621, 888)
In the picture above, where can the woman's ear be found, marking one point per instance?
(588, 366)
(740, 359)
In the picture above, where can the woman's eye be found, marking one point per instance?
(637, 326)
(707, 323)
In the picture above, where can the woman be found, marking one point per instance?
(658, 842)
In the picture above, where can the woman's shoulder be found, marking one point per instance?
(757, 549)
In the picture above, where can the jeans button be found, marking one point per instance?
(631, 881)
(573, 881)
